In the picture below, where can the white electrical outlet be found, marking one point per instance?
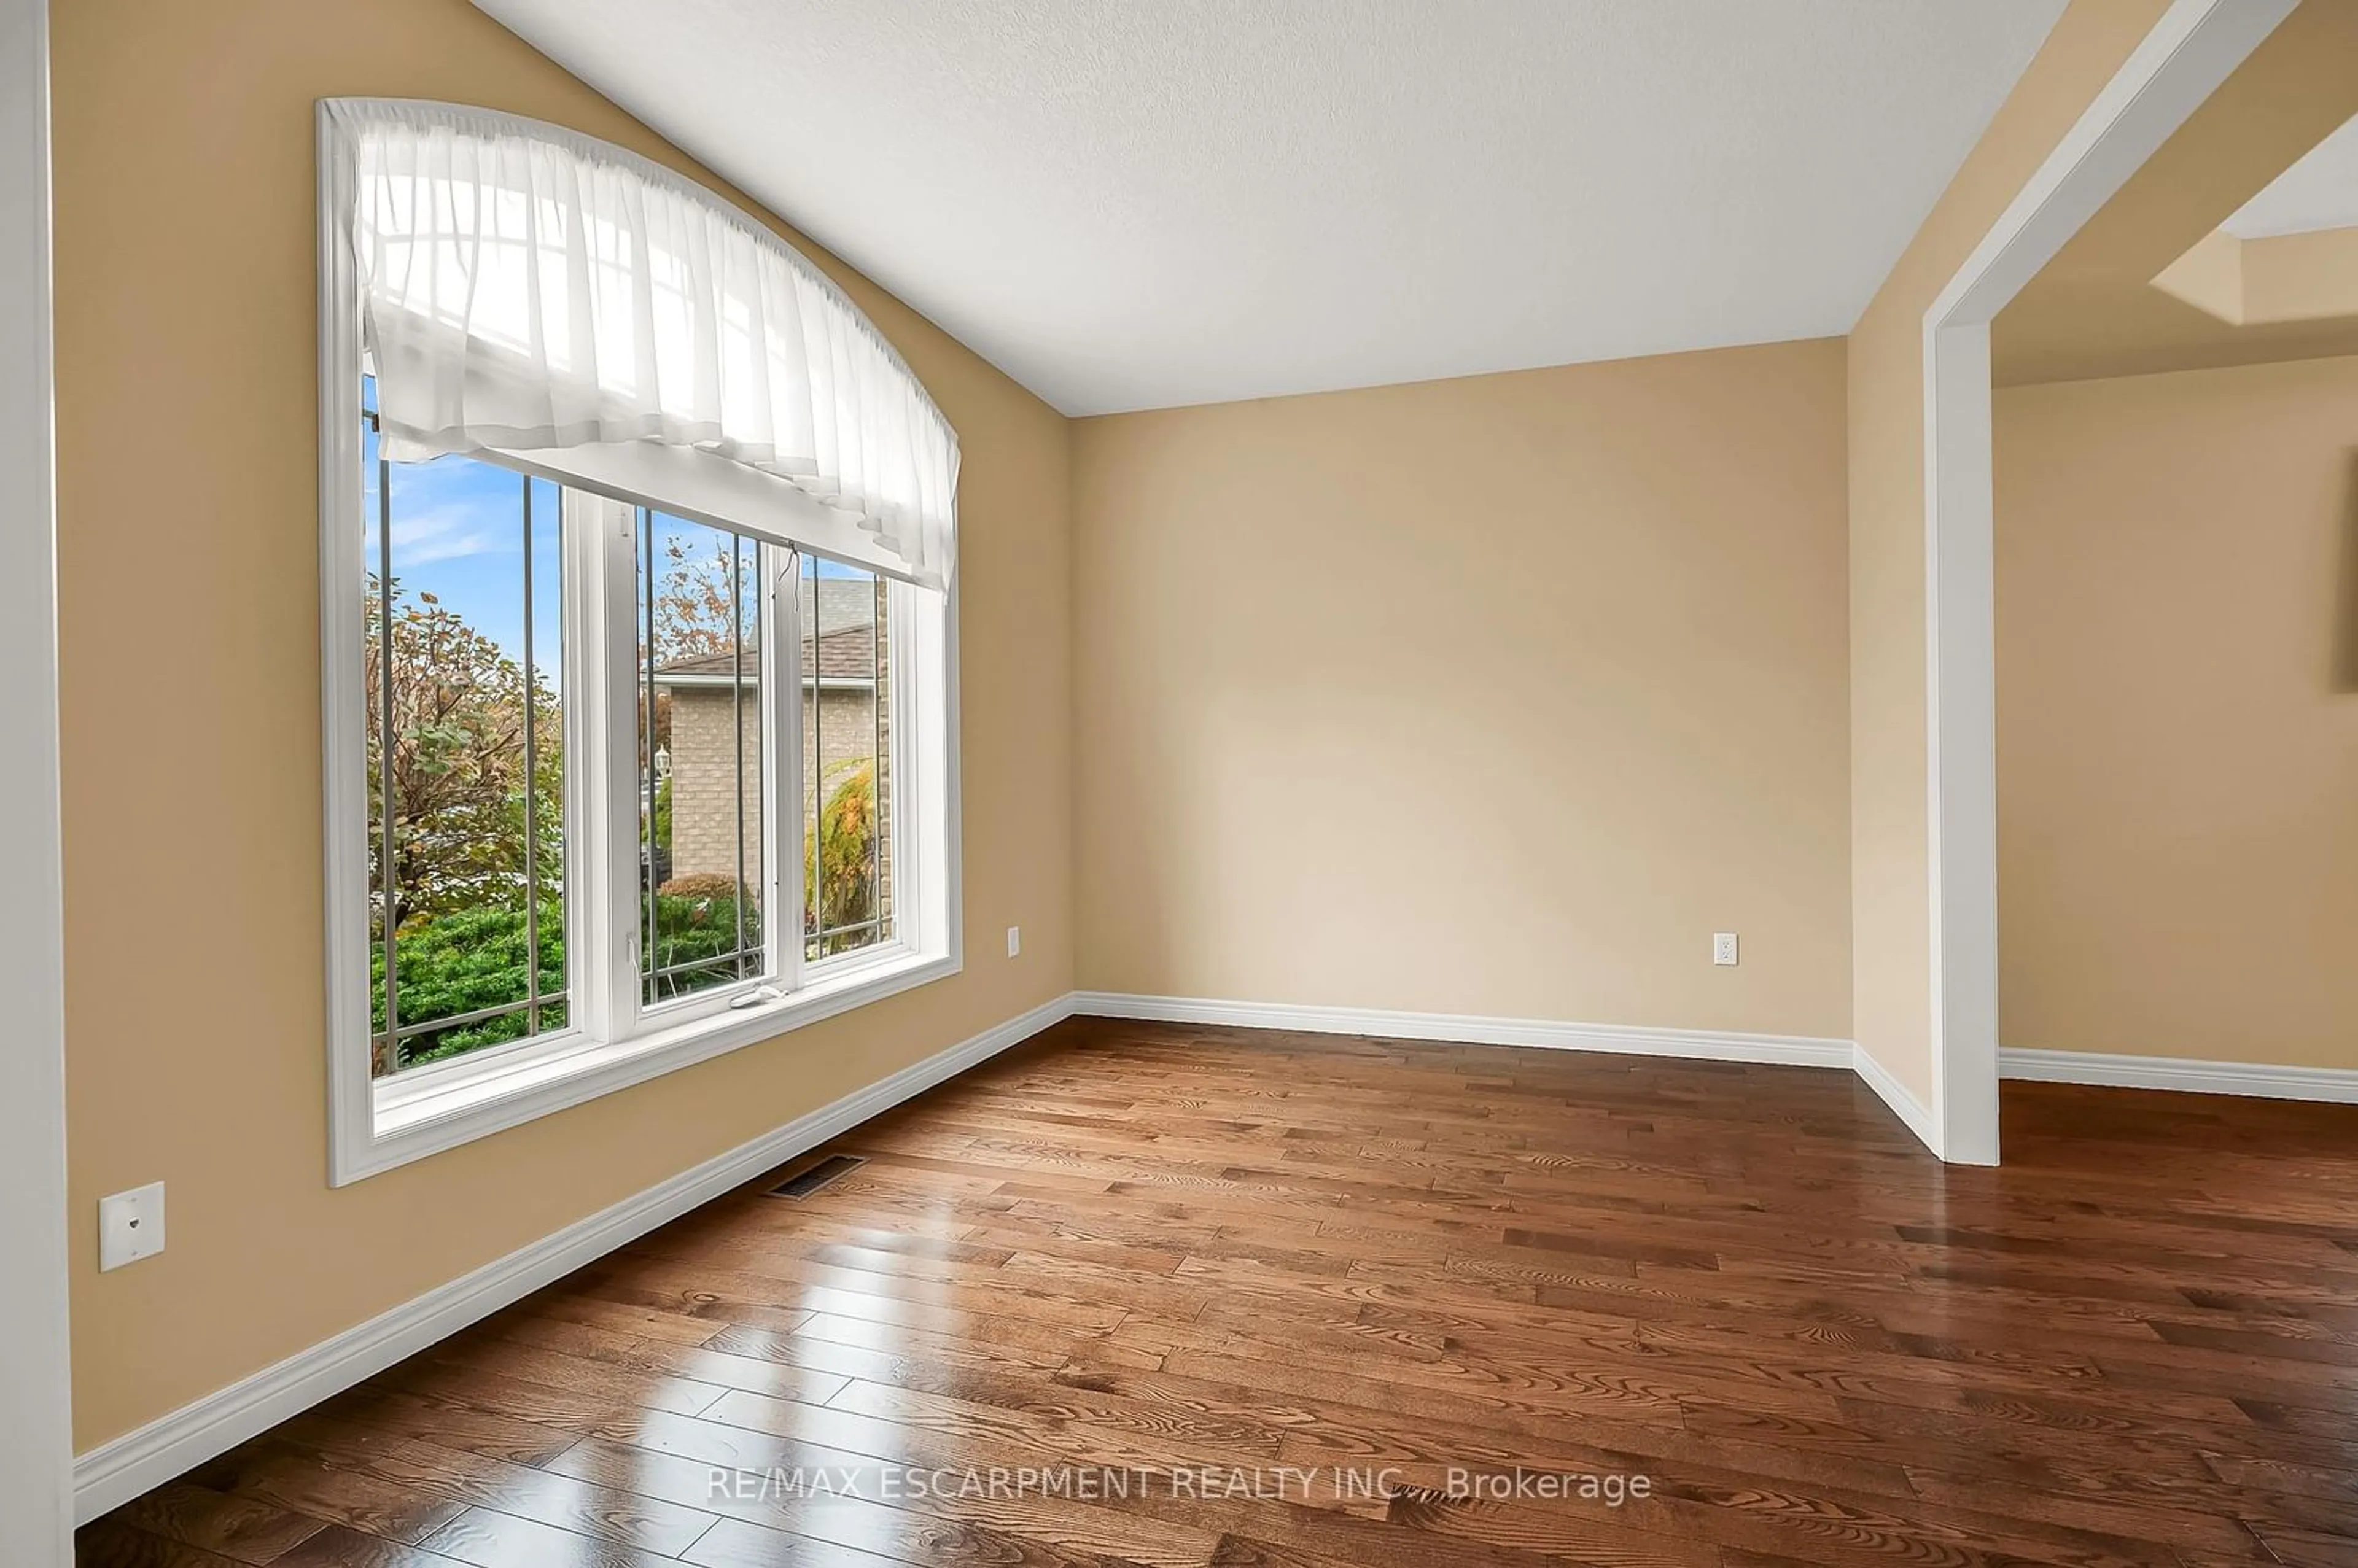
(1723, 946)
(1014, 940)
(130, 1225)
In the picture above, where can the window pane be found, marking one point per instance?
(847, 760)
(464, 673)
(701, 769)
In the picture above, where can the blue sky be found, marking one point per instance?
(459, 534)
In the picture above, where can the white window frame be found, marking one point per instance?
(611, 1040)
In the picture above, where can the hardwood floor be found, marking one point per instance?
(1208, 1295)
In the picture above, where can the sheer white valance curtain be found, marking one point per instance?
(533, 293)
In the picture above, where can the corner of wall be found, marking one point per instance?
(1890, 838)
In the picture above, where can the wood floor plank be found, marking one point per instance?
(116, 1542)
(240, 1529)
(470, 1480)
(339, 1547)
(485, 1538)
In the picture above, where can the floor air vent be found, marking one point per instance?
(805, 1182)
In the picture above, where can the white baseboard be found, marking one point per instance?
(115, 1472)
(1904, 1104)
(1712, 1045)
(2336, 1086)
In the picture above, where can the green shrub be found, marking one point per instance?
(463, 962)
(700, 925)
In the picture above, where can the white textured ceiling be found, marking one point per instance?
(2320, 192)
(1139, 204)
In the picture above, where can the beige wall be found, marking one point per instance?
(1891, 995)
(187, 518)
(1495, 696)
(2178, 714)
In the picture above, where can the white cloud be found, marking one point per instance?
(451, 532)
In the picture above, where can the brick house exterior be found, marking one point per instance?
(840, 686)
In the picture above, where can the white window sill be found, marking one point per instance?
(434, 1108)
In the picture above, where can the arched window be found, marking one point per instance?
(527, 291)
(637, 547)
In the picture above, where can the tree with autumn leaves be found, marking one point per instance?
(460, 708)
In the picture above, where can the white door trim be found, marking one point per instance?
(2189, 52)
(35, 1435)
